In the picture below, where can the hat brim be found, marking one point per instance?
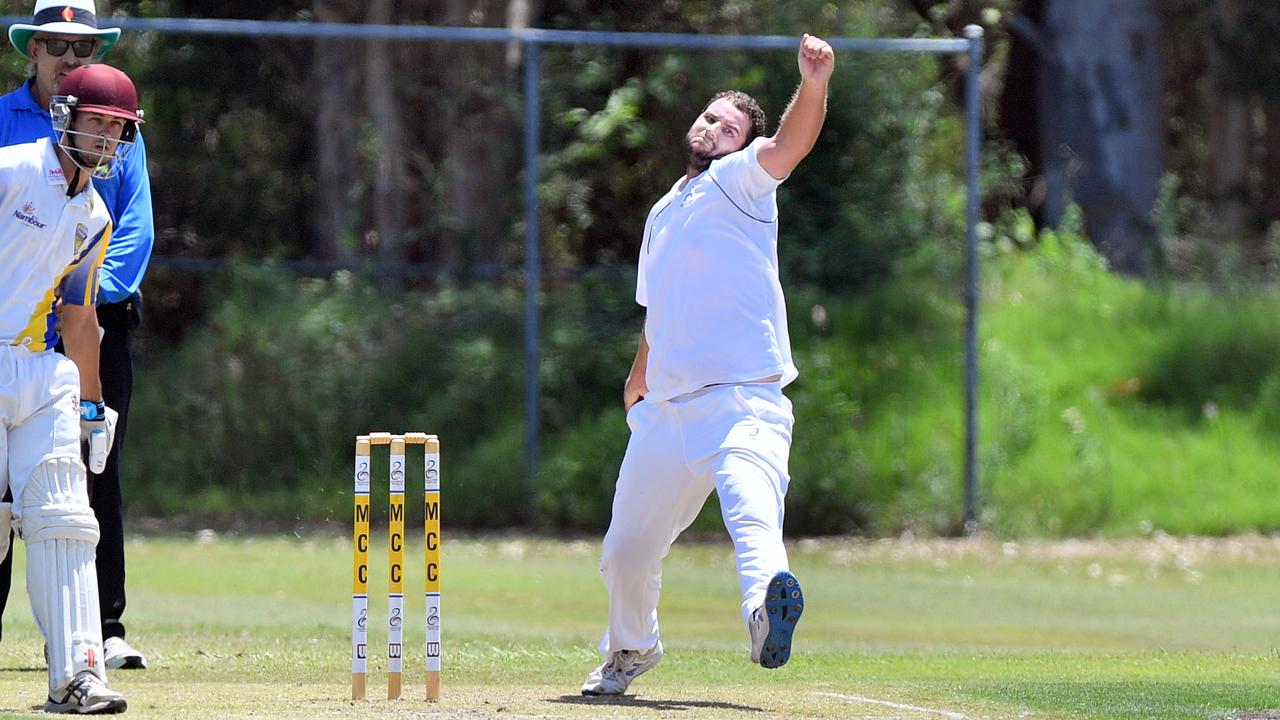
(20, 34)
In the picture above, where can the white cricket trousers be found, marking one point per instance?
(734, 439)
(40, 462)
(39, 414)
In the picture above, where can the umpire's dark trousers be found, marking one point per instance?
(115, 367)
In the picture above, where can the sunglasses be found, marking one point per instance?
(57, 48)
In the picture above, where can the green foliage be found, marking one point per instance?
(265, 401)
(1117, 407)
(869, 368)
(236, 137)
(1108, 406)
(575, 483)
(882, 176)
(1224, 350)
(288, 371)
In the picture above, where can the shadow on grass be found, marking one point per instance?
(650, 703)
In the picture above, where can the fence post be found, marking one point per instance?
(532, 262)
(973, 158)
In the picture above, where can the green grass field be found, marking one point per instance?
(1159, 628)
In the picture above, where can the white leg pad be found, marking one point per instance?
(60, 533)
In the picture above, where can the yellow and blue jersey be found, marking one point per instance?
(127, 195)
(51, 247)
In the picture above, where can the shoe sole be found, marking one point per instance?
(600, 693)
(130, 662)
(783, 605)
(107, 708)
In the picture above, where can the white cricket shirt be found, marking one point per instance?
(708, 276)
(50, 245)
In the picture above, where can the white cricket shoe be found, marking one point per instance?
(613, 677)
(773, 622)
(87, 695)
(122, 656)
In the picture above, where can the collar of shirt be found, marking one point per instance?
(54, 175)
(27, 101)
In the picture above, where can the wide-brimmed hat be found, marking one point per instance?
(63, 17)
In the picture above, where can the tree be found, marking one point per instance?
(471, 113)
(387, 124)
(1248, 72)
(334, 77)
(1228, 127)
(1099, 126)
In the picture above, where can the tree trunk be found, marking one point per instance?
(1019, 102)
(481, 135)
(389, 181)
(1271, 163)
(1102, 129)
(1228, 132)
(334, 75)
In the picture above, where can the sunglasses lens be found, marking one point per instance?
(58, 48)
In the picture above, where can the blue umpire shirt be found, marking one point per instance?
(127, 194)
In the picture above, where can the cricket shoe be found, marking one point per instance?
(122, 656)
(87, 695)
(773, 622)
(613, 677)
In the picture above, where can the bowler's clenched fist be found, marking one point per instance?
(816, 59)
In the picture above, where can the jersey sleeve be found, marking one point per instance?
(134, 233)
(742, 177)
(79, 285)
(642, 287)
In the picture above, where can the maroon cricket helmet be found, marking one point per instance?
(102, 89)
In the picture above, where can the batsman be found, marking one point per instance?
(53, 239)
(704, 397)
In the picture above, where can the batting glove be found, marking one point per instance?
(97, 431)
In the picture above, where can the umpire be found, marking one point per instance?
(62, 36)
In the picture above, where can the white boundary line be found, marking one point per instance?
(894, 705)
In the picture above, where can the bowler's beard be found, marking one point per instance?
(697, 159)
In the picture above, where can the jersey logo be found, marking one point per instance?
(82, 235)
(28, 215)
(691, 198)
